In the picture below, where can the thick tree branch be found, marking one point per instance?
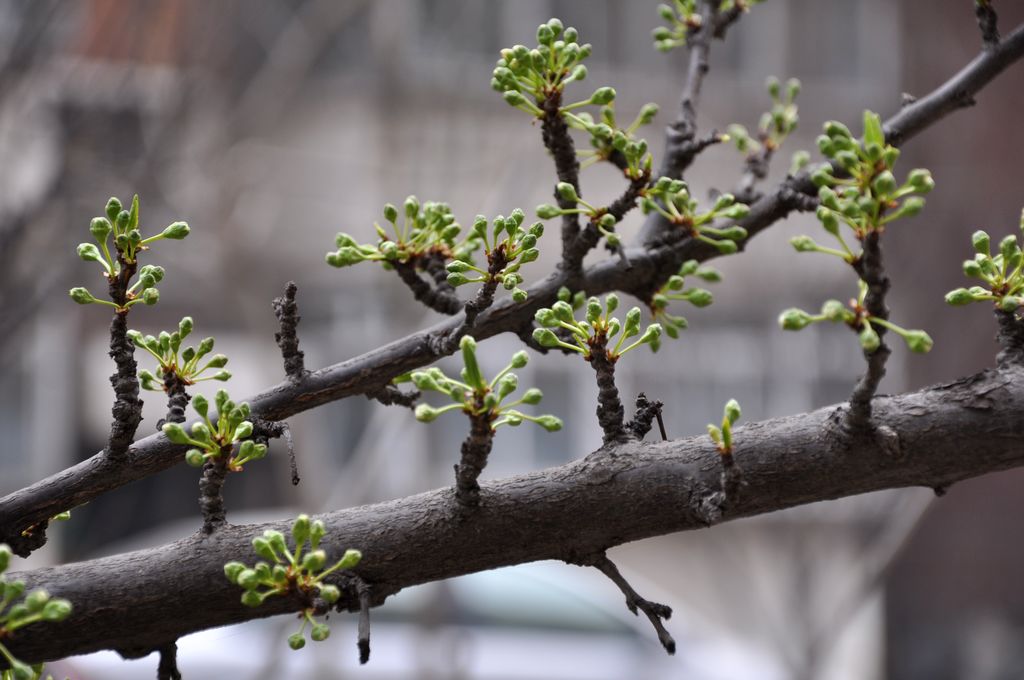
(618, 494)
(643, 271)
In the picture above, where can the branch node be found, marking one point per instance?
(441, 298)
(610, 413)
(211, 500)
(287, 313)
(656, 612)
(177, 399)
(1010, 337)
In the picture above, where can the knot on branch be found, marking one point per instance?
(287, 313)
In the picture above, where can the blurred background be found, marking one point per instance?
(271, 126)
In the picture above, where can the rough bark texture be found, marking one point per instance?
(475, 450)
(871, 270)
(287, 338)
(620, 493)
(211, 500)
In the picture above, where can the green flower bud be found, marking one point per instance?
(243, 430)
(980, 241)
(520, 359)
(602, 96)
(330, 593)
(698, 297)
(507, 385)
(176, 433)
(113, 208)
(319, 632)
(545, 35)
(732, 411)
(150, 296)
(921, 180)
(546, 212)
(514, 98)
(544, 337)
(262, 570)
(1010, 303)
(195, 458)
(263, 548)
(567, 192)
(794, 319)
(200, 404)
(529, 255)
(828, 220)
(1007, 247)
(550, 423)
(647, 113)
(36, 600)
(960, 296)
(232, 570)
(803, 244)
(972, 268)
(300, 529)
(5, 557)
(836, 129)
(251, 598)
(910, 207)
(296, 641)
(276, 540)
(918, 341)
(869, 339)
(100, 228)
(314, 561)
(217, 361)
(593, 310)
(81, 295)
(426, 413)
(457, 279)
(884, 184)
(350, 559)
(834, 310)
(56, 610)
(652, 333)
(176, 231)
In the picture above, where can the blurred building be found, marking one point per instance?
(271, 127)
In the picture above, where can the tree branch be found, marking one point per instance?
(135, 600)
(643, 271)
(287, 338)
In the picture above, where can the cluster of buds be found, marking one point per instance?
(609, 140)
(683, 18)
(123, 226)
(722, 435)
(598, 328)
(870, 197)
(37, 606)
(1002, 273)
(857, 318)
(209, 440)
(775, 125)
(508, 248)
(675, 289)
(680, 208)
(425, 229)
(479, 398)
(185, 368)
(294, 574)
(527, 77)
(599, 217)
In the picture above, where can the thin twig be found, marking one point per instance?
(363, 636)
(389, 395)
(655, 611)
(263, 430)
(443, 300)
(555, 133)
(988, 22)
(168, 666)
(287, 338)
